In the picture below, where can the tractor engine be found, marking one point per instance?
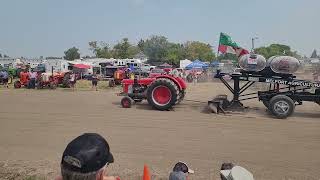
(137, 88)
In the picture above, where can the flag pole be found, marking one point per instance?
(219, 45)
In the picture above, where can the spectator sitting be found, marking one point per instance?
(86, 158)
(180, 172)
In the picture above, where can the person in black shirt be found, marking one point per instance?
(94, 80)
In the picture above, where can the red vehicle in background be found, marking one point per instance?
(23, 81)
(167, 70)
(156, 72)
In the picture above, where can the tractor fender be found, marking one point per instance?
(177, 80)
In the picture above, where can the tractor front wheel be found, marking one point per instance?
(17, 84)
(126, 102)
(182, 94)
(162, 94)
(53, 85)
(39, 85)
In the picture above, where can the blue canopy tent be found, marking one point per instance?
(214, 63)
(197, 64)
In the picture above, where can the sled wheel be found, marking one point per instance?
(281, 106)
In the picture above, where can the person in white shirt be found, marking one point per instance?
(73, 80)
(33, 77)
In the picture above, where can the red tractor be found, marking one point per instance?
(47, 80)
(161, 92)
(23, 81)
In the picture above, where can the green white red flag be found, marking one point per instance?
(227, 45)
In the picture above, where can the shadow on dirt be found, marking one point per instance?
(306, 115)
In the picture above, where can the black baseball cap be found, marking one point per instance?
(183, 167)
(87, 153)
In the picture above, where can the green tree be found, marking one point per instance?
(176, 52)
(133, 50)
(199, 50)
(5, 56)
(156, 48)
(228, 56)
(0, 55)
(101, 49)
(276, 49)
(124, 49)
(141, 45)
(72, 54)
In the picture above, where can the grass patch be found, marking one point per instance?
(85, 84)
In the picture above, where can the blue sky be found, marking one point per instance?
(48, 27)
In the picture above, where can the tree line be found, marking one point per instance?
(159, 49)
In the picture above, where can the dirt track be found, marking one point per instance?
(36, 125)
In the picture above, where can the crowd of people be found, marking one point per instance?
(88, 156)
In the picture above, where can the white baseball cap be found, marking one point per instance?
(237, 173)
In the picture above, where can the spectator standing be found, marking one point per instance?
(94, 81)
(73, 80)
(5, 78)
(33, 77)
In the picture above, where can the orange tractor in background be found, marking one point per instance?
(117, 75)
(48, 80)
(44, 80)
(23, 81)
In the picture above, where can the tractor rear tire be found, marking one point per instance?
(66, 80)
(162, 94)
(126, 102)
(281, 106)
(39, 85)
(52, 85)
(182, 94)
(17, 84)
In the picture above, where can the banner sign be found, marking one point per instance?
(293, 82)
